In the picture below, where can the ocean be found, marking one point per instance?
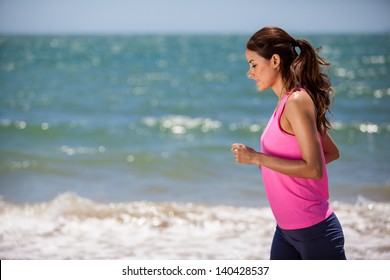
(118, 147)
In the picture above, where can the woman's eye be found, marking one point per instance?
(253, 66)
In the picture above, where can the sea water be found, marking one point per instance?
(118, 147)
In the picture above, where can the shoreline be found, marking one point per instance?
(72, 227)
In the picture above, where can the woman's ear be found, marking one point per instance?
(275, 60)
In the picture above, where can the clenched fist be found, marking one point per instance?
(244, 154)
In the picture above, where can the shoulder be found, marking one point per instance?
(300, 100)
(300, 103)
(300, 97)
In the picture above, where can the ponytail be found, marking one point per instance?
(307, 71)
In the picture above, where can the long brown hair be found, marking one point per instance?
(298, 70)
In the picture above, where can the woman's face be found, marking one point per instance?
(263, 71)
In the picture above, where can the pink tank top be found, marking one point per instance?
(295, 202)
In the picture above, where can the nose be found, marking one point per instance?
(250, 74)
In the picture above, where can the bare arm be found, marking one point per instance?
(331, 151)
(300, 114)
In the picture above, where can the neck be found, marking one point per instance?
(279, 89)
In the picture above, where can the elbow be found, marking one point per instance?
(335, 154)
(317, 175)
(332, 157)
(316, 172)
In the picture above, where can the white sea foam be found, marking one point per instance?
(71, 227)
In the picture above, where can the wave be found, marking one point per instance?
(73, 227)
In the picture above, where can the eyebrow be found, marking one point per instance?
(250, 61)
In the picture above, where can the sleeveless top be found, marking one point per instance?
(295, 202)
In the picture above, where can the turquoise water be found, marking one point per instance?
(134, 133)
(153, 117)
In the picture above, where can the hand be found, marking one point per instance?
(244, 154)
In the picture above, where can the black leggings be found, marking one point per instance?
(323, 241)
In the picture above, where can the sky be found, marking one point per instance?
(192, 16)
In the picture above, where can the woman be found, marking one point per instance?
(295, 146)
